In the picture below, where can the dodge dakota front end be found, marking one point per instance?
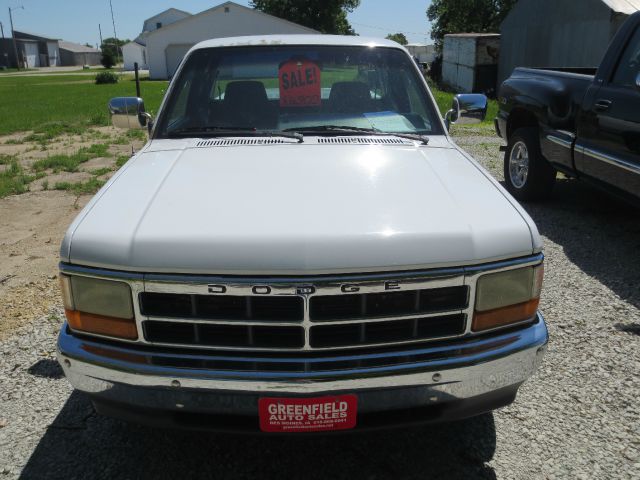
(300, 247)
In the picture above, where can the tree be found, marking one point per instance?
(113, 46)
(398, 37)
(108, 60)
(326, 16)
(466, 16)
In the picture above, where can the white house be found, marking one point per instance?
(166, 46)
(136, 51)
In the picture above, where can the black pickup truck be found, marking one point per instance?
(583, 124)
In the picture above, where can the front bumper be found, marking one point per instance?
(442, 381)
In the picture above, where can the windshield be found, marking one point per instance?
(293, 88)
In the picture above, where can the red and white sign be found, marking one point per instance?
(299, 84)
(308, 414)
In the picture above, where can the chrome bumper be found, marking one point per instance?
(454, 371)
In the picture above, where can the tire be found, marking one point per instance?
(527, 174)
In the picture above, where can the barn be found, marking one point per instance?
(560, 33)
(167, 46)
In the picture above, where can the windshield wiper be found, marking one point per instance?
(368, 130)
(220, 131)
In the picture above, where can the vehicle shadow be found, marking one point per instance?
(83, 444)
(598, 233)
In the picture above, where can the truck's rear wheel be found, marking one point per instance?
(527, 174)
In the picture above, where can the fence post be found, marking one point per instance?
(135, 68)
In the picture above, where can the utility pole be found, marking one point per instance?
(2, 28)
(100, 30)
(13, 34)
(115, 35)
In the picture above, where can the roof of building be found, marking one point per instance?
(136, 43)
(300, 39)
(21, 34)
(168, 10)
(623, 6)
(76, 47)
(221, 6)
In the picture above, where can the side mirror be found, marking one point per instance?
(638, 81)
(128, 112)
(467, 108)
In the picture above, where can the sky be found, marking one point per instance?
(77, 20)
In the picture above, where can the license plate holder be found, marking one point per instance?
(299, 415)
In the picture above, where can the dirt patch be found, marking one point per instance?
(32, 224)
(31, 228)
(96, 164)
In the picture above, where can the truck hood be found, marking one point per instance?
(298, 209)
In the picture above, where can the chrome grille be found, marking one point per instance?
(295, 315)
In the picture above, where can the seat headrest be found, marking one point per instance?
(350, 97)
(245, 91)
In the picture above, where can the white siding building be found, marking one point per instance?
(136, 51)
(470, 61)
(424, 53)
(167, 45)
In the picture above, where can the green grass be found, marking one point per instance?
(6, 159)
(40, 102)
(100, 171)
(70, 163)
(14, 181)
(80, 188)
(121, 160)
(50, 130)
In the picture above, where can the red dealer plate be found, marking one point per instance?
(319, 414)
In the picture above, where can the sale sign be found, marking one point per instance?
(299, 83)
(308, 414)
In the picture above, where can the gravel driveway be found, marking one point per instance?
(579, 417)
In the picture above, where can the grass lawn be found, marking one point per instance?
(41, 102)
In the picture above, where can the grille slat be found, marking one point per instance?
(364, 140)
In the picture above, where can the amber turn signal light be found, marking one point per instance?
(499, 317)
(102, 325)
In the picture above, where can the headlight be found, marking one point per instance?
(98, 306)
(506, 298)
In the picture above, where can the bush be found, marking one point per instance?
(108, 59)
(106, 77)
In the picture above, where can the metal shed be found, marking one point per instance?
(560, 33)
(470, 61)
(75, 54)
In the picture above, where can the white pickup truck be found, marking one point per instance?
(300, 247)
